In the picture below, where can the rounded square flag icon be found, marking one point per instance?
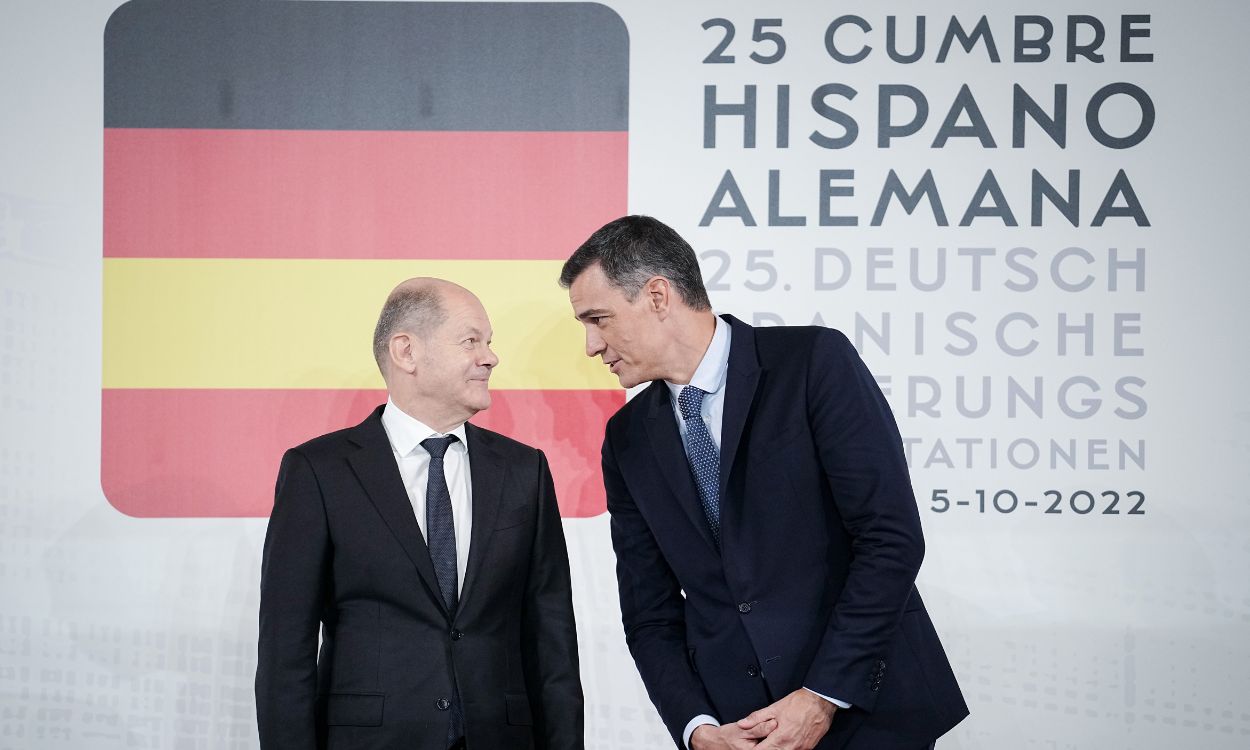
(271, 170)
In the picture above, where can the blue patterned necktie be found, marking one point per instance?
(703, 456)
(440, 527)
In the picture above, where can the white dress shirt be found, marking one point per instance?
(405, 434)
(710, 377)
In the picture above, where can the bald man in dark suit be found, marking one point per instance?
(429, 554)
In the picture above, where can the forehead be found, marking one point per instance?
(465, 312)
(591, 289)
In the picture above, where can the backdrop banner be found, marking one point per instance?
(1025, 217)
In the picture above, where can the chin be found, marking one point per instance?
(634, 376)
(477, 397)
(627, 381)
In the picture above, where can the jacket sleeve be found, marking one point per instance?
(861, 455)
(549, 633)
(652, 609)
(293, 584)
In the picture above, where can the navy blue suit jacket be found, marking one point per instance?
(813, 585)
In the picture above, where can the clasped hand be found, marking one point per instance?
(796, 722)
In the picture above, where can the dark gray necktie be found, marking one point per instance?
(440, 527)
(440, 537)
(703, 456)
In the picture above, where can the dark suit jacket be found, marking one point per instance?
(820, 546)
(344, 552)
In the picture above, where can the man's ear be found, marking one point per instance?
(403, 349)
(659, 295)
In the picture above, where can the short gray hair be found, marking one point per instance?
(415, 309)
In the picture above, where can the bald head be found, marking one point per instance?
(417, 306)
(432, 344)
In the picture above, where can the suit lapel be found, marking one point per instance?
(670, 454)
(742, 380)
(375, 468)
(488, 472)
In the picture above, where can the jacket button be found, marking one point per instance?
(753, 671)
(442, 704)
(744, 607)
(456, 635)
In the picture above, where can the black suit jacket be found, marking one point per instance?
(820, 546)
(344, 553)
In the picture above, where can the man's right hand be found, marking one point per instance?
(729, 736)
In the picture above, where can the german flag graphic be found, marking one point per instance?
(273, 169)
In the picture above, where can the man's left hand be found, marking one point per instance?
(802, 719)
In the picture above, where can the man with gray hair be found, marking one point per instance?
(429, 554)
(767, 538)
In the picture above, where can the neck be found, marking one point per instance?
(435, 416)
(693, 339)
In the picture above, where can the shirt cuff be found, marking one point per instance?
(834, 701)
(694, 724)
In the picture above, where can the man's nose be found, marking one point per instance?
(594, 344)
(491, 359)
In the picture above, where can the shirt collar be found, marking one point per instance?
(406, 432)
(709, 376)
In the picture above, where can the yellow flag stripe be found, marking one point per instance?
(251, 323)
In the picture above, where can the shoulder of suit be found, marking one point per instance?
(508, 446)
(330, 444)
(780, 343)
(340, 442)
(631, 408)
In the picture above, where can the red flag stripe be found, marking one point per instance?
(215, 452)
(358, 194)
